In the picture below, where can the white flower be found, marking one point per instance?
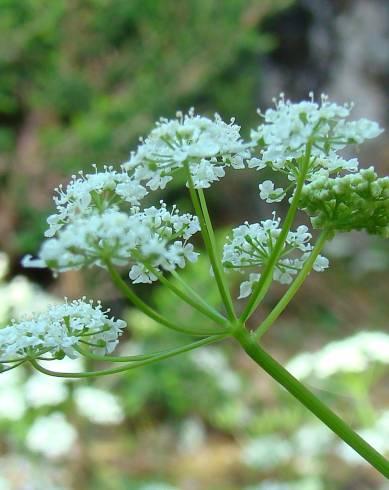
(155, 235)
(60, 329)
(321, 263)
(269, 194)
(96, 191)
(12, 400)
(98, 406)
(53, 436)
(206, 146)
(352, 354)
(246, 287)
(283, 136)
(43, 390)
(252, 244)
(20, 297)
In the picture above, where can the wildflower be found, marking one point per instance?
(351, 202)
(268, 193)
(59, 330)
(206, 146)
(43, 390)
(51, 435)
(352, 354)
(96, 191)
(251, 247)
(282, 138)
(154, 236)
(97, 405)
(12, 400)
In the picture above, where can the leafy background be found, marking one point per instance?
(80, 81)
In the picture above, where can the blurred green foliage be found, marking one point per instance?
(83, 79)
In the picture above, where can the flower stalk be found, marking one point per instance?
(310, 401)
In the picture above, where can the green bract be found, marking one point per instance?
(353, 202)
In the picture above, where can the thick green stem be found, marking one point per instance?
(132, 365)
(210, 245)
(295, 286)
(310, 401)
(147, 310)
(266, 277)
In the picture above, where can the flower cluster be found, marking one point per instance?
(93, 192)
(286, 133)
(251, 246)
(203, 145)
(59, 330)
(51, 435)
(155, 236)
(351, 202)
(353, 354)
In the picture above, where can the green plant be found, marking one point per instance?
(100, 222)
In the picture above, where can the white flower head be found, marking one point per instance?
(349, 355)
(51, 435)
(43, 390)
(155, 237)
(93, 192)
(206, 146)
(59, 330)
(282, 138)
(98, 406)
(251, 246)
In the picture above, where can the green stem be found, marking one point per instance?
(130, 366)
(218, 267)
(135, 358)
(202, 306)
(295, 286)
(310, 401)
(147, 310)
(211, 250)
(12, 367)
(267, 275)
(195, 294)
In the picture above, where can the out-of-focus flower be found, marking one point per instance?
(352, 354)
(98, 406)
(41, 390)
(12, 401)
(53, 436)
